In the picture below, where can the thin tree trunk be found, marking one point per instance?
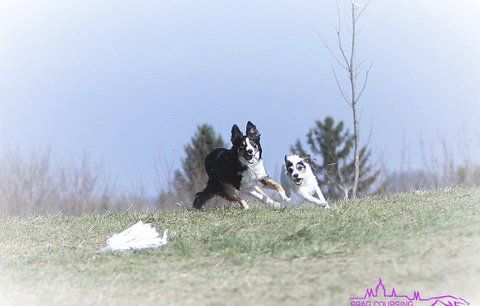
(353, 79)
(356, 153)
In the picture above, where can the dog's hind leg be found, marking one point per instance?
(203, 196)
(231, 194)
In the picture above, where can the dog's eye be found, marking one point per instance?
(290, 170)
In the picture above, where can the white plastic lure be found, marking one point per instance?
(137, 237)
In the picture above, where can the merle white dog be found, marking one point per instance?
(297, 177)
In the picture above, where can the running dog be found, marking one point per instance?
(238, 171)
(297, 177)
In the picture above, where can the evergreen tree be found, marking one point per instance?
(333, 145)
(192, 177)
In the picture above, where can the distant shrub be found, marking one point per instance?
(34, 183)
(192, 177)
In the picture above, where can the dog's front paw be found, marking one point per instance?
(276, 205)
(284, 197)
(245, 205)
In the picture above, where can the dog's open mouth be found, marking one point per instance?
(249, 159)
(298, 181)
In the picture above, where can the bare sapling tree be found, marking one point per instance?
(346, 60)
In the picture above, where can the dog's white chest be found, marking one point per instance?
(253, 174)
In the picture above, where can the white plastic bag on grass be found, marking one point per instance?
(137, 237)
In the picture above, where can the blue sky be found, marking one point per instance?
(127, 80)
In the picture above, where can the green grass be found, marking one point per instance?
(427, 241)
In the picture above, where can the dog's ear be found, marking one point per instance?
(252, 131)
(285, 159)
(307, 158)
(237, 135)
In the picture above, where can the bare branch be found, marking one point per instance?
(352, 53)
(330, 50)
(355, 76)
(360, 65)
(361, 30)
(339, 19)
(364, 83)
(346, 17)
(362, 10)
(342, 51)
(339, 38)
(340, 88)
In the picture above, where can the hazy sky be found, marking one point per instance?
(127, 79)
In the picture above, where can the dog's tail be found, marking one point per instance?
(206, 194)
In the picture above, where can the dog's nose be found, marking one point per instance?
(250, 151)
(295, 175)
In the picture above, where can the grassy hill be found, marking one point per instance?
(426, 241)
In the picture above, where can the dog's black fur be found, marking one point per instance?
(224, 168)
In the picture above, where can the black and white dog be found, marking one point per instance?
(238, 171)
(297, 177)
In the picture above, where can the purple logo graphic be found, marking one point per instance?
(379, 297)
